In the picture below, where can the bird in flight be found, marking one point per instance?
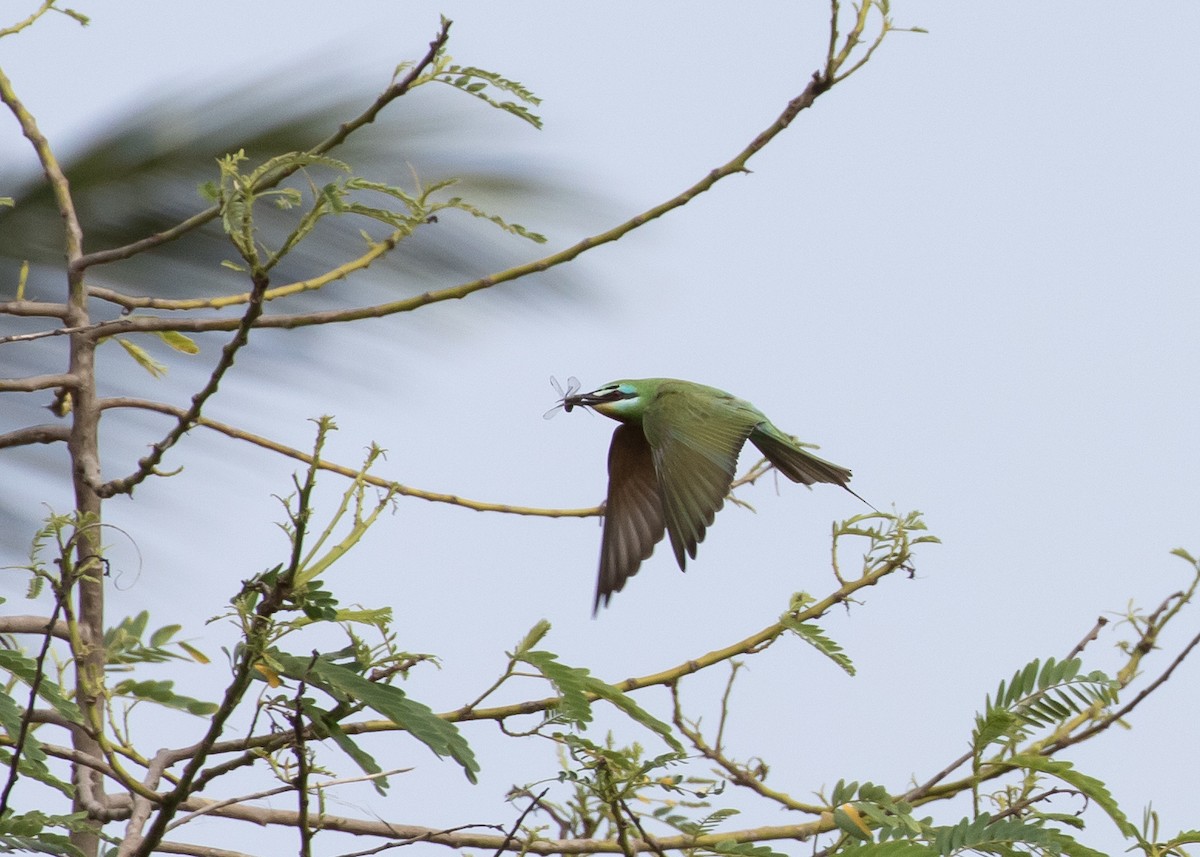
(671, 462)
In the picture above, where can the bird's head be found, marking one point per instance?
(621, 400)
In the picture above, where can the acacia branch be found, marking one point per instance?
(39, 675)
(147, 465)
(32, 309)
(377, 250)
(501, 841)
(35, 434)
(348, 472)
(59, 186)
(1123, 712)
(735, 772)
(51, 627)
(12, 29)
(146, 324)
(253, 747)
(750, 477)
(37, 382)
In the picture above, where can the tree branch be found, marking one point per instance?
(147, 465)
(37, 382)
(32, 309)
(144, 324)
(348, 472)
(48, 433)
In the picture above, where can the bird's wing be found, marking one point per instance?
(695, 441)
(633, 513)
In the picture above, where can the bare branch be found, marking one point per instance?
(278, 790)
(35, 625)
(36, 382)
(349, 472)
(492, 842)
(46, 6)
(147, 465)
(39, 675)
(32, 309)
(377, 250)
(1125, 710)
(198, 850)
(35, 434)
(50, 166)
(44, 334)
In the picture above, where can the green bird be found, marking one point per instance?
(671, 463)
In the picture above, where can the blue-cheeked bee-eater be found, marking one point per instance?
(671, 463)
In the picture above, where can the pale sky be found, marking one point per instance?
(969, 274)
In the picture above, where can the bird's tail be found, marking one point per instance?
(797, 463)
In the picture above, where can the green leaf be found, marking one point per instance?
(816, 637)
(535, 635)
(847, 821)
(196, 655)
(570, 682)
(33, 758)
(161, 692)
(513, 228)
(143, 358)
(985, 835)
(1095, 790)
(1040, 695)
(895, 848)
(574, 684)
(26, 669)
(44, 843)
(178, 341)
(365, 761)
(843, 792)
(27, 832)
(345, 685)
(745, 849)
(474, 81)
(164, 634)
(123, 643)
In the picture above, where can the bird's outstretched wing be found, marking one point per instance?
(633, 512)
(695, 442)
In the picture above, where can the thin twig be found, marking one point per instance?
(1088, 638)
(147, 465)
(214, 806)
(517, 824)
(348, 472)
(14, 765)
(1125, 710)
(300, 751)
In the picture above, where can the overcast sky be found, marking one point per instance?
(969, 274)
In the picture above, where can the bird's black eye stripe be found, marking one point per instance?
(612, 394)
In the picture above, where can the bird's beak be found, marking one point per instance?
(589, 400)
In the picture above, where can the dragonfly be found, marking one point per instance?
(563, 395)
